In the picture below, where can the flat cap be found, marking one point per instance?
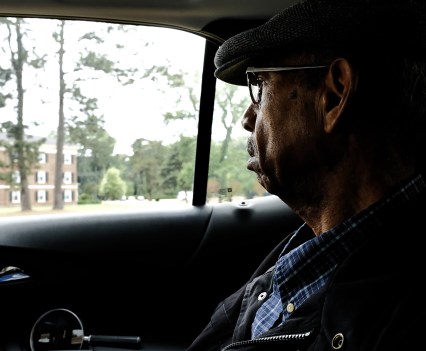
(393, 26)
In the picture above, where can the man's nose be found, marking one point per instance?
(248, 120)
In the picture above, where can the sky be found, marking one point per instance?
(144, 101)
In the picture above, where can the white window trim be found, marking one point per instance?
(67, 196)
(67, 178)
(41, 177)
(41, 196)
(17, 194)
(42, 157)
(67, 159)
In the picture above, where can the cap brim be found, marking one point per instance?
(234, 71)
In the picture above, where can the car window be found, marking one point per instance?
(119, 104)
(229, 180)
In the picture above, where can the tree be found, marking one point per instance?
(6, 74)
(22, 151)
(78, 111)
(231, 172)
(84, 125)
(146, 162)
(112, 187)
(86, 114)
(177, 172)
(183, 91)
(58, 200)
(232, 108)
(96, 145)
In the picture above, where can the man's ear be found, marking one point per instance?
(340, 85)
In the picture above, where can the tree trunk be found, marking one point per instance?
(58, 202)
(18, 63)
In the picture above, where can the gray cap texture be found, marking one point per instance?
(393, 26)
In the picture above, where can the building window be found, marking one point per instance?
(67, 159)
(67, 177)
(16, 177)
(42, 157)
(15, 197)
(41, 177)
(41, 196)
(68, 195)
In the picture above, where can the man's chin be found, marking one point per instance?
(253, 166)
(264, 181)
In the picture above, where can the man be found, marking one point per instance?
(337, 125)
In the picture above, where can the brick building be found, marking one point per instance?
(41, 179)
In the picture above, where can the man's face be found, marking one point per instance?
(287, 134)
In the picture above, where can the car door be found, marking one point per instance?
(147, 243)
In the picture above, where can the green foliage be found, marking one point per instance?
(231, 171)
(87, 199)
(38, 62)
(175, 80)
(92, 37)
(5, 76)
(112, 186)
(146, 162)
(177, 170)
(89, 189)
(96, 146)
(17, 146)
(97, 62)
(178, 115)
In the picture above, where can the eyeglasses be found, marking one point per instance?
(255, 84)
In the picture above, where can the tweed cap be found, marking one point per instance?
(392, 26)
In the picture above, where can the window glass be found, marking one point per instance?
(67, 177)
(41, 177)
(67, 159)
(15, 197)
(229, 180)
(68, 196)
(120, 102)
(41, 196)
(42, 158)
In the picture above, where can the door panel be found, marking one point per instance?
(153, 274)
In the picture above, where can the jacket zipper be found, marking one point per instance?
(278, 338)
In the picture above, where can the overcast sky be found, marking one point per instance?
(121, 106)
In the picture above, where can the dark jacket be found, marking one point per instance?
(374, 301)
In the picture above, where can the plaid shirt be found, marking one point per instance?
(302, 271)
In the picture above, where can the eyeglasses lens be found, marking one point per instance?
(254, 86)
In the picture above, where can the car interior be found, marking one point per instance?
(146, 275)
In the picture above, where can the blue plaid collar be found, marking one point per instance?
(303, 269)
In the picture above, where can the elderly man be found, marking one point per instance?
(337, 125)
